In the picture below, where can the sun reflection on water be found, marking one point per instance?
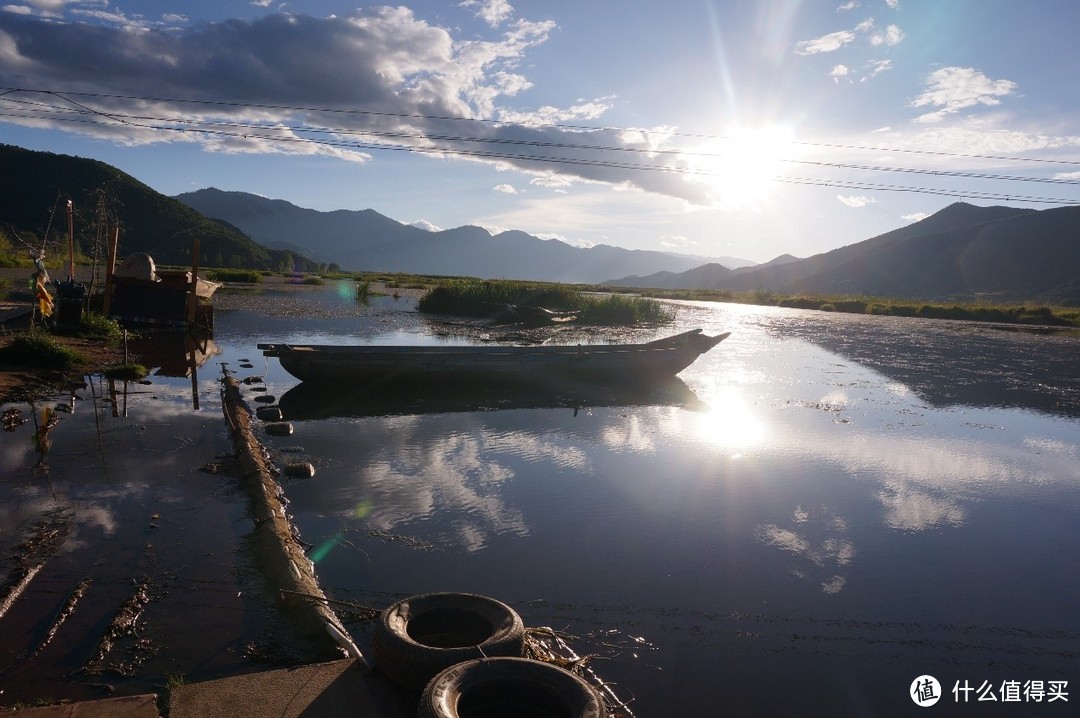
(729, 423)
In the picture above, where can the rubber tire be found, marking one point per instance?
(418, 637)
(519, 687)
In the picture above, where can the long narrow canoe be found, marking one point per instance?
(617, 362)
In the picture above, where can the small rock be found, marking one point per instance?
(269, 413)
(301, 470)
(279, 428)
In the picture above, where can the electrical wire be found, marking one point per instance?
(461, 145)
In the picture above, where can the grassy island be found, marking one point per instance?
(485, 298)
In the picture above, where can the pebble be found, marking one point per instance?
(269, 413)
(301, 470)
(279, 428)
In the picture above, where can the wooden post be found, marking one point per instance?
(193, 297)
(71, 242)
(109, 270)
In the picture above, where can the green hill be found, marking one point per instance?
(33, 183)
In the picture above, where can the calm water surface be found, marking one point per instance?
(828, 508)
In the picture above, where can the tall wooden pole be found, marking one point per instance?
(71, 242)
(109, 270)
(193, 297)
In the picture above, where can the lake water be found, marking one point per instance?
(828, 507)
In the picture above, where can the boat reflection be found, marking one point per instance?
(390, 398)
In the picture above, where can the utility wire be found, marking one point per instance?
(66, 95)
(256, 131)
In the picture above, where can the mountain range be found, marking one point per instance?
(962, 252)
(35, 187)
(367, 240)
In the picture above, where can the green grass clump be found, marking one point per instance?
(314, 280)
(476, 298)
(622, 310)
(38, 349)
(97, 326)
(479, 298)
(130, 371)
(241, 276)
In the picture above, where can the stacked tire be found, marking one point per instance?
(464, 651)
(503, 687)
(419, 637)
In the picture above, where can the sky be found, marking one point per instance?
(717, 128)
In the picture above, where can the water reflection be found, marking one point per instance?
(318, 401)
(411, 473)
(818, 538)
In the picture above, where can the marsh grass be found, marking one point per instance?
(240, 276)
(38, 349)
(96, 326)
(130, 371)
(1029, 314)
(482, 298)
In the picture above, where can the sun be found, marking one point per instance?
(741, 167)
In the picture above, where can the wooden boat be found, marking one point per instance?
(611, 362)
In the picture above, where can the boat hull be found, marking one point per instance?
(616, 362)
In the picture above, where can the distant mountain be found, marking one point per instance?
(961, 252)
(31, 183)
(706, 276)
(367, 240)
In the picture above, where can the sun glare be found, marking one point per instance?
(740, 167)
(730, 423)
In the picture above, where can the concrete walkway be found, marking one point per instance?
(337, 688)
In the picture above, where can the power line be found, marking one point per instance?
(66, 95)
(252, 131)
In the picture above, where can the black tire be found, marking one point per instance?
(503, 687)
(420, 636)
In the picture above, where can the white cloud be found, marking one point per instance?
(892, 35)
(48, 7)
(851, 5)
(866, 25)
(839, 71)
(1067, 175)
(428, 85)
(551, 181)
(876, 67)
(854, 200)
(677, 242)
(826, 43)
(893, 4)
(915, 216)
(952, 89)
(505, 189)
(493, 12)
(425, 225)
(18, 9)
(548, 115)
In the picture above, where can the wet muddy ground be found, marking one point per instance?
(123, 548)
